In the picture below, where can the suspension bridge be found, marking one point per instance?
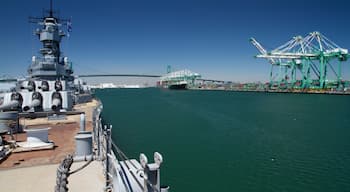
(10, 79)
(144, 75)
(119, 75)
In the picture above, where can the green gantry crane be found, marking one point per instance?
(305, 63)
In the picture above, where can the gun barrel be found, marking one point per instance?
(35, 103)
(9, 105)
(56, 102)
(44, 87)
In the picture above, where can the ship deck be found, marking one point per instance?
(36, 170)
(43, 178)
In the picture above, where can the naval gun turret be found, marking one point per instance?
(29, 85)
(45, 86)
(10, 106)
(15, 102)
(56, 101)
(35, 103)
(58, 86)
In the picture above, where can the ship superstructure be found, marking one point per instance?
(49, 85)
(51, 65)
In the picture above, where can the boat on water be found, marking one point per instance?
(181, 79)
(51, 132)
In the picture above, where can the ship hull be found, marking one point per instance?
(178, 87)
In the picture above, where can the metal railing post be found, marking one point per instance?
(108, 130)
(107, 152)
(98, 127)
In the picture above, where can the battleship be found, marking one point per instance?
(52, 135)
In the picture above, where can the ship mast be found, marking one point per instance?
(51, 10)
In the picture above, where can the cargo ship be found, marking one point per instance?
(181, 79)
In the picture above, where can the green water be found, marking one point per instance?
(234, 141)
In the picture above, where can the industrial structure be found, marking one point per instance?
(178, 79)
(311, 62)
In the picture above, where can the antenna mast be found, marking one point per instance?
(51, 10)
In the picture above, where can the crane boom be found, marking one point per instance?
(261, 49)
(258, 46)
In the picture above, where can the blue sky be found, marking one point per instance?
(210, 37)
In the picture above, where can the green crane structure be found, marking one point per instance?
(310, 62)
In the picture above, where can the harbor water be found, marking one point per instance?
(236, 141)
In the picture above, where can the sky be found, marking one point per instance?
(210, 37)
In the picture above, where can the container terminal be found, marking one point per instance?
(310, 64)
